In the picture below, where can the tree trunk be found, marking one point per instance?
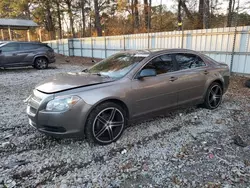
(71, 20)
(149, 14)
(133, 14)
(230, 13)
(146, 14)
(83, 17)
(201, 10)
(206, 13)
(58, 11)
(97, 19)
(179, 15)
(49, 25)
(136, 14)
(188, 13)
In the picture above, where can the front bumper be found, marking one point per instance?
(69, 123)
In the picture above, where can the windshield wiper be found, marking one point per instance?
(99, 74)
(85, 70)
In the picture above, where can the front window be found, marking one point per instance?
(162, 64)
(118, 65)
(11, 47)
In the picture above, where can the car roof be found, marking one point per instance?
(161, 50)
(21, 42)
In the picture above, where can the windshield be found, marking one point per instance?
(118, 65)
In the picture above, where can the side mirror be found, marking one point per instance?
(0, 51)
(147, 73)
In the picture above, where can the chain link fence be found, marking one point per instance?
(230, 44)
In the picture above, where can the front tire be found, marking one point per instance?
(213, 96)
(105, 123)
(41, 63)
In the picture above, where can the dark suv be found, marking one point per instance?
(16, 54)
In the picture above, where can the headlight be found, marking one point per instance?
(62, 103)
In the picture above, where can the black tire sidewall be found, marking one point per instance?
(35, 64)
(206, 103)
(247, 84)
(92, 116)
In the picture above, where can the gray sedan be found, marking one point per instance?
(100, 101)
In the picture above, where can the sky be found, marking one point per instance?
(224, 4)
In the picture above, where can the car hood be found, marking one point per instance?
(66, 81)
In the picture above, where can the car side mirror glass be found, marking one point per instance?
(147, 73)
(0, 51)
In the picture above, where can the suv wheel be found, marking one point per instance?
(106, 123)
(41, 63)
(213, 96)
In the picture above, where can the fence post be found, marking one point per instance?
(105, 47)
(63, 46)
(92, 50)
(189, 41)
(182, 37)
(71, 47)
(148, 41)
(233, 51)
(81, 46)
(124, 43)
(57, 44)
(235, 31)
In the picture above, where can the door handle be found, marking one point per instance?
(172, 78)
(14, 54)
(206, 72)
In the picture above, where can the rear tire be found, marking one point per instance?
(105, 123)
(213, 96)
(41, 63)
(247, 84)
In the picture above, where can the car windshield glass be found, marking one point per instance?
(118, 65)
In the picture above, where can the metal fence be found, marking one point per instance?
(229, 45)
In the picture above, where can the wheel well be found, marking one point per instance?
(219, 82)
(39, 57)
(119, 102)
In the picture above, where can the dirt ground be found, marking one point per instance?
(191, 147)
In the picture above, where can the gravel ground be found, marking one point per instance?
(191, 147)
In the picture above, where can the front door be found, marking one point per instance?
(9, 54)
(158, 92)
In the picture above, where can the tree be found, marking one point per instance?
(58, 12)
(83, 3)
(97, 18)
(179, 15)
(231, 4)
(70, 14)
(136, 13)
(147, 14)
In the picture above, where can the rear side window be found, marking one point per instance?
(189, 61)
(11, 47)
(162, 64)
(30, 46)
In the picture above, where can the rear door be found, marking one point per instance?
(192, 74)
(28, 51)
(9, 54)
